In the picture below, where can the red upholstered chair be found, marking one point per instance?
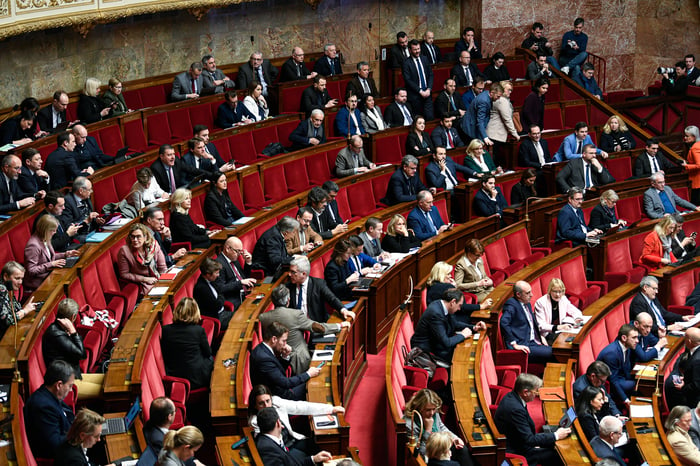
(519, 248)
(553, 121)
(202, 115)
(361, 199)
(104, 273)
(104, 193)
(620, 268)
(388, 149)
(507, 357)
(275, 184)
(158, 129)
(110, 139)
(180, 124)
(496, 381)
(242, 148)
(19, 236)
(344, 205)
(553, 245)
(134, 137)
(154, 96)
(317, 168)
(234, 192)
(253, 197)
(295, 174)
(263, 136)
(499, 260)
(574, 113)
(101, 297)
(681, 286)
(574, 275)
(620, 168)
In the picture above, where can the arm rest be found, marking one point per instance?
(616, 279)
(546, 251)
(512, 357)
(179, 389)
(603, 286)
(416, 376)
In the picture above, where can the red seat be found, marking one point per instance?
(19, 237)
(202, 115)
(343, 204)
(264, 136)
(234, 192)
(290, 99)
(620, 168)
(223, 148)
(361, 199)
(497, 255)
(518, 245)
(620, 269)
(104, 193)
(134, 137)
(574, 275)
(574, 113)
(629, 209)
(253, 197)
(133, 98)
(295, 174)
(104, 269)
(275, 184)
(284, 130)
(180, 125)
(317, 168)
(100, 297)
(387, 149)
(155, 96)
(552, 119)
(516, 69)
(111, 139)
(242, 148)
(158, 129)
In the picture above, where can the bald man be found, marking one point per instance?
(233, 279)
(649, 345)
(10, 196)
(294, 68)
(683, 386)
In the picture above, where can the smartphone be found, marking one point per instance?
(323, 363)
(676, 378)
(694, 234)
(239, 443)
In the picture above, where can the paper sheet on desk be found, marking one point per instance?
(170, 274)
(117, 224)
(645, 371)
(641, 411)
(323, 355)
(325, 421)
(662, 354)
(691, 322)
(242, 220)
(158, 291)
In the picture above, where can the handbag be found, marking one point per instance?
(420, 359)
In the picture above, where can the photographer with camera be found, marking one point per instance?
(674, 81)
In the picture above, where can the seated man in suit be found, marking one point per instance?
(332, 189)
(316, 97)
(404, 185)
(11, 198)
(61, 164)
(297, 322)
(533, 151)
(329, 64)
(270, 253)
(79, 208)
(586, 172)
(438, 332)
(32, 179)
(362, 84)
(213, 79)
(472, 92)
(310, 132)
(199, 160)
(449, 103)
(154, 218)
(465, 72)
(646, 301)
(210, 150)
(572, 145)
(170, 171)
(311, 295)
(441, 172)
(323, 222)
(50, 117)
(87, 152)
(271, 445)
(306, 238)
(399, 112)
(513, 420)
(660, 200)
(371, 239)
(257, 69)
(351, 159)
(424, 219)
(519, 326)
(571, 225)
(294, 68)
(619, 357)
(233, 279)
(603, 444)
(489, 199)
(269, 361)
(161, 415)
(596, 375)
(538, 68)
(230, 114)
(651, 161)
(208, 294)
(649, 345)
(55, 204)
(445, 135)
(47, 418)
(348, 120)
(685, 391)
(188, 84)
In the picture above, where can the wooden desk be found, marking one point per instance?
(653, 446)
(122, 445)
(230, 457)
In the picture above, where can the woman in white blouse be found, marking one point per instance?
(554, 312)
(255, 102)
(146, 190)
(371, 116)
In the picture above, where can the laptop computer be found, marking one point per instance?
(119, 425)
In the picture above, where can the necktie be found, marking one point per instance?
(450, 141)
(355, 161)
(300, 296)
(449, 176)
(534, 331)
(261, 78)
(365, 86)
(432, 54)
(315, 132)
(430, 221)
(330, 63)
(235, 272)
(467, 76)
(540, 152)
(173, 186)
(299, 71)
(9, 190)
(579, 147)
(588, 175)
(194, 86)
(84, 211)
(376, 244)
(406, 115)
(668, 206)
(661, 322)
(421, 76)
(656, 167)
(452, 103)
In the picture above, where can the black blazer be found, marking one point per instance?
(30, 183)
(208, 304)
(460, 76)
(519, 193)
(642, 167)
(246, 74)
(393, 116)
(527, 155)
(45, 118)
(187, 354)
(184, 230)
(311, 100)
(335, 276)
(71, 214)
(89, 109)
(436, 50)
(70, 455)
(513, 420)
(639, 304)
(62, 167)
(300, 136)
(267, 369)
(270, 251)
(227, 282)
(215, 206)
(57, 344)
(412, 142)
(356, 87)
(5, 204)
(589, 424)
(400, 243)
(396, 57)
(485, 207)
(323, 224)
(324, 68)
(46, 421)
(573, 175)
(181, 171)
(401, 189)
(443, 107)
(317, 296)
(602, 218)
(293, 72)
(273, 453)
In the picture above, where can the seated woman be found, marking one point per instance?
(657, 250)
(418, 142)
(588, 405)
(114, 99)
(186, 350)
(218, 207)
(39, 254)
(438, 450)
(525, 188)
(183, 229)
(140, 260)
(338, 274)
(469, 272)
(255, 102)
(615, 136)
(603, 216)
(179, 446)
(11, 310)
(554, 312)
(62, 341)
(489, 199)
(398, 237)
(371, 116)
(84, 433)
(359, 261)
(439, 281)
(90, 107)
(479, 160)
(428, 404)
(18, 130)
(677, 426)
(146, 190)
(497, 71)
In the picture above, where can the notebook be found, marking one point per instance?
(119, 425)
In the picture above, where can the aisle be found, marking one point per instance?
(366, 414)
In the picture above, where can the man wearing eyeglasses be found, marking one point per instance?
(233, 278)
(609, 434)
(294, 68)
(154, 219)
(571, 226)
(79, 210)
(348, 120)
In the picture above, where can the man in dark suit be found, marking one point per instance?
(647, 301)
(465, 72)
(468, 43)
(50, 117)
(258, 70)
(270, 252)
(61, 164)
(399, 51)
(47, 418)
(32, 179)
(686, 391)
(269, 361)
(428, 48)
(310, 132)
(619, 356)
(316, 96)
(445, 135)
(169, 171)
(438, 332)
(651, 161)
(441, 172)
(424, 219)
(55, 204)
(333, 213)
(79, 209)
(660, 200)
(571, 225)
(418, 77)
(271, 446)
(294, 68)
(513, 420)
(329, 64)
(449, 103)
(188, 84)
(596, 375)
(519, 326)
(603, 444)
(586, 172)
(210, 150)
(404, 185)
(214, 81)
(476, 88)
(161, 415)
(399, 112)
(479, 113)
(230, 114)
(11, 198)
(649, 345)
(87, 152)
(371, 239)
(362, 84)
(154, 219)
(534, 151)
(323, 222)
(233, 279)
(691, 71)
(315, 294)
(208, 294)
(199, 161)
(489, 199)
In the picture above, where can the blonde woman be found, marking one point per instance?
(90, 108)
(84, 433)
(479, 160)
(554, 312)
(616, 136)
(140, 260)
(39, 255)
(658, 245)
(180, 445)
(470, 274)
(438, 450)
(677, 426)
(183, 229)
(439, 281)
(399, 238)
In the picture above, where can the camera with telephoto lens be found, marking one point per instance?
(666, 70)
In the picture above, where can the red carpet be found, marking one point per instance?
(367, 412)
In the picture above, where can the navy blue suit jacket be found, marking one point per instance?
(411, 77)
(267, 369)
(513, 420)
(273, 453)
(420, 225)
(344, 125)
(30, 183)
(324, 68)
(640, 304)
(90, 155)
(62, 167)
(300, 138)
(436, 332)
(270, 251)
(485, 207)
(5, 204)
(477, 117)
(619, 370)
(569, 226)
(439, 137)
(437, 180)
(47, 420)
(402, 189)
(608, 409)
(604, 451)
(226, 116)
(514, 324)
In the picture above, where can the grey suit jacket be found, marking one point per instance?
(370, 125)
(370, 249)
(182, 85)
(345, 165)
(653, 206)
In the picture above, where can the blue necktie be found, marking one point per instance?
(668, 207)
(299, 297)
